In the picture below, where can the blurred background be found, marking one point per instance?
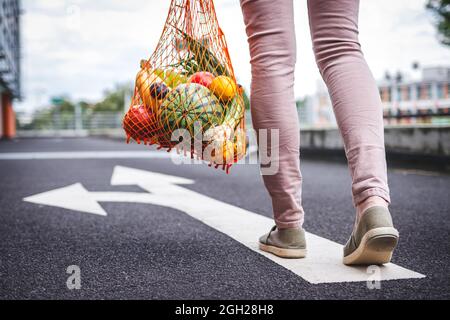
(67, 67)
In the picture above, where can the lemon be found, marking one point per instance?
(224, 88)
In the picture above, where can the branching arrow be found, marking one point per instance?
(323, 265)
(77, 198)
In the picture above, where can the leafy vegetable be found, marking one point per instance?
(206, 60)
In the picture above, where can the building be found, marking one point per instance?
(424, 100)
(317, 111)
(9, 65)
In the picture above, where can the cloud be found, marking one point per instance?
(83, 47)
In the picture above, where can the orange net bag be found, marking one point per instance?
(186, 95)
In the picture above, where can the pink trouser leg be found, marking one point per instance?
(271, 36)
(356, 101)
(354, 93)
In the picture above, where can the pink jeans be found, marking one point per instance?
(354, 93)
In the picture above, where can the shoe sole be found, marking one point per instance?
(376, 248)
(284, 253)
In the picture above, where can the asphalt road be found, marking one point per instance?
(141, 251)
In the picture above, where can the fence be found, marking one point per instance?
(77, 123)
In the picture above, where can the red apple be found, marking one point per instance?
(138, 124)
(203, 78)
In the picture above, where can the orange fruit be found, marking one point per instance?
(224, 88)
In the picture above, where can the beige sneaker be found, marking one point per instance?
(287, 243)
(374, 239)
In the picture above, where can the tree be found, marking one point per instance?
(114, 99)
(301, 103)
(441, 11)
(246, 101)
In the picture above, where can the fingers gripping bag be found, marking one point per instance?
(186, 96)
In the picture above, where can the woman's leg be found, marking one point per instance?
(271, 36)
(355, 96)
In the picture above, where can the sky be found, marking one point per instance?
(80, 48)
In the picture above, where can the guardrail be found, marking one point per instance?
(69, 121)
(413, 139)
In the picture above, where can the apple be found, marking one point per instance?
(203, 78)
(137, 123)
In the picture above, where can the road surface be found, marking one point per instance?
(132, 248)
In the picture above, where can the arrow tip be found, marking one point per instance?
(124, 176)
(74, 197)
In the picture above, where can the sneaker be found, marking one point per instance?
(374, 239)
(286, 243)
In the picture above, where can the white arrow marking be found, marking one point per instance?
(323, 265)
(74, 197)
(85, 155)
(77, 198)
(78, 155)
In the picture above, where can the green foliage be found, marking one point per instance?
(67, 106)
(301, 103)
(246, 101)
(63, 113)
(441, 12)
(42, 120)
(114, 100)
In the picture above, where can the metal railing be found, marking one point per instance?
(69, 124)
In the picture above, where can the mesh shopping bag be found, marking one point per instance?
(186, 95)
